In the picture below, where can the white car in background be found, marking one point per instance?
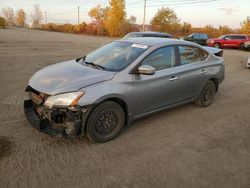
(248, 62)
(246, 45)
(247, 48)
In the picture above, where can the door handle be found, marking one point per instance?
(203, 71)
(173, 78)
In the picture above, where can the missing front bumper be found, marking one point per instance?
(70, 128)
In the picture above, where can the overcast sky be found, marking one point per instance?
(220, 12)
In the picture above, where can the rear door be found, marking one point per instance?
(192, 72)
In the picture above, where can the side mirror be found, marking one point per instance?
(226, 38)
(146, 69)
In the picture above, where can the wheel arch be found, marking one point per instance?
(121, 102)
(115, 99)
(216, 83)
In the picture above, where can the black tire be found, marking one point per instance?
(217, 45)
(207, 94)
(241, 47)
(105, 122)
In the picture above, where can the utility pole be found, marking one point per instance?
(45, 16)
(78, 16)
(143, 26)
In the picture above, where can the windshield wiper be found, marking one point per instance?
(78, 59)
(95, 65)
(90, 63)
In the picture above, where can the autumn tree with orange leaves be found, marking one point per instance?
(116, 17)
(245, 26)
(20, 18)
(99, 14)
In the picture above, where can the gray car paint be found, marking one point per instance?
(66, 77)
(142, 94)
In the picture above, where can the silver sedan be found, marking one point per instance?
(125, 80)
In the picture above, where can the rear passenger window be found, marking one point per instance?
(189, 54)
(242, 37)
(162, 58)
(239, 37)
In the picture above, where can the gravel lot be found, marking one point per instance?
(184, 147)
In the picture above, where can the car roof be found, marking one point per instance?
(235, 35)
(200, 33)
(150, 32)
(152, 41)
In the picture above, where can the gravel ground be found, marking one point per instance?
(183, 147)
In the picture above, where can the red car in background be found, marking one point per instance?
(231, 41)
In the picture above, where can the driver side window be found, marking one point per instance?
(162, 58)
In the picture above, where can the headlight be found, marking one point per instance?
(63, 100)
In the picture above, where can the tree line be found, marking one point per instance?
(19, 19)
(112, 20)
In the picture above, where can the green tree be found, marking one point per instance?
(116, 16)
(2, 23)
(165, 20)
(9, 15)
(245, 26)
(20, 18)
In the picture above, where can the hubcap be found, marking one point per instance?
(208, 94)
(106, 122)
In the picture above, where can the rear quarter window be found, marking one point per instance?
(239, 37)
(191, 54)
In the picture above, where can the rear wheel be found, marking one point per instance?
(105, 122)
(241, 47)
(207, 94)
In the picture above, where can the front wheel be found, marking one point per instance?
(217, 45)
(207, 94)
(105, 122)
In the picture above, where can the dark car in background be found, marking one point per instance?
(229, 41)
(120, 82)
(199, 38)
(147, 34)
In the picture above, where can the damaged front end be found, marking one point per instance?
(54, 120)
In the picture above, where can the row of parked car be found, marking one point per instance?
(238, 41)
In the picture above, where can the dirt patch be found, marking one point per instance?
(5, 147)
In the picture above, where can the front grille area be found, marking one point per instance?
(43, 125)
(53, 121)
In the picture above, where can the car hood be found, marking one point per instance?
(67, 76)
